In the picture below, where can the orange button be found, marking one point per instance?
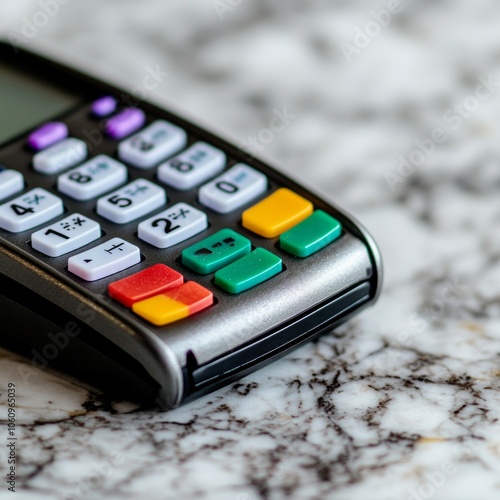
(277, 213)
(174, 304)
(193, 295)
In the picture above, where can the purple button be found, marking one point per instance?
(104, 106)
(124, 123)
(47, 134)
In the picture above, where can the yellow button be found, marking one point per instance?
(161, 310)
(277, 213)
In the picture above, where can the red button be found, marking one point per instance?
(144, 284)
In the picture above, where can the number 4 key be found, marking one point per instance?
(30, 210)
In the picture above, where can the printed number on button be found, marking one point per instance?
(29, 210)
(135, 200)
(172, 226)
(93, 178)
(73, 232)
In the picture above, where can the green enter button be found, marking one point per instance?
(249, 271)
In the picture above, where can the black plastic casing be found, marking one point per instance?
(61, 321)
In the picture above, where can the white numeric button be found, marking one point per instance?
(60, 156)
(104, 260)
(197, 164)
(11, 182)
(93, 178)
(233, 189)
(172, 226)
(29, 210)
(131, 201)
(152, 145)
(71, 233)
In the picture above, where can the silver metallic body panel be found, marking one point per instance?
(302, 286)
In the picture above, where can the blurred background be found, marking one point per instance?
(393, 110)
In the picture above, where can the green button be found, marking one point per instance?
(216, 251)
(251, 270)
(311, 235)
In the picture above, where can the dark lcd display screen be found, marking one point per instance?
(25, 101)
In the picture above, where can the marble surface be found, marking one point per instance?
(404, 401)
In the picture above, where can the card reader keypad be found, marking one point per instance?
(186, 185)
